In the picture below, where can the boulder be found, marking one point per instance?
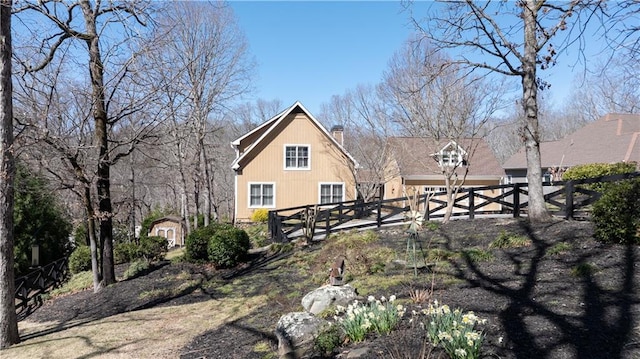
(296, 333)
(322, 298)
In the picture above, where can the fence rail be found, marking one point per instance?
(566, 199)
(31, 287)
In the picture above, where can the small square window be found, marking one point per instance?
(296, 157)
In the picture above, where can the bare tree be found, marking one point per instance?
(204, 66)
(8, 320)
(87, 23)
(439, 103)
(513, 39)
(364, 118)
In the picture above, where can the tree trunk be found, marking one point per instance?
(105, 215)
(93, 246)
(8, 320)
(537, 210)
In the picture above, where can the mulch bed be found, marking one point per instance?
(536, 303)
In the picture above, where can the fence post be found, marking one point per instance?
(568, 205)
(471, 203)
(379, 215)
(516, 200)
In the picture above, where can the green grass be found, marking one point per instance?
(584, 269)
(510, 240)
(559, 248)
(78, 282)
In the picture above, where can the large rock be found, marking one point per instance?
(322, 298)
(296, 333)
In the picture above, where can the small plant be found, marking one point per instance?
(260, 215)
(431, 225)
(558, 248)
(438, 254)
(454, 331)
(419, 295)
(376, 316)
(584, 270)
(507, 240)
(327, 341)
(477, 255)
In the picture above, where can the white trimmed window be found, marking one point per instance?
(262, 195)
(297, 157)
(331, 192)
(451, 155)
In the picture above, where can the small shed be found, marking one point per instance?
(172, 228)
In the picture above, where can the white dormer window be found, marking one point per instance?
(451, 155)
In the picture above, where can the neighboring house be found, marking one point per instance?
(291, 160)
(417, 162)
(170, 227)
(610, 139)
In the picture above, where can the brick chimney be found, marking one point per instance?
(337, 132)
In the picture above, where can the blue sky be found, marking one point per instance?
(310, 51)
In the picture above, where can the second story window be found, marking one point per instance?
(450, 155)
(296, 157)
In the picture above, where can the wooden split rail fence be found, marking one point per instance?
(569, 200)
(31, 287)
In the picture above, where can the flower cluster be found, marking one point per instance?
(376, 315)
(454, 331)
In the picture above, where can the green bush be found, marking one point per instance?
(260, 215)
(594, 170)
(125, 252)
(153, 248)
(616, 215)
(228, 247)
(197, 242)
(80, 260)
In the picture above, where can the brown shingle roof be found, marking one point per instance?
(413, 156)
(611, 138)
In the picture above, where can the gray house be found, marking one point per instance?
(610, 139)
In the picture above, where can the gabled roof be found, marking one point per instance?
(413, 156)
(261, 132)
(169, 218)
(612, 138)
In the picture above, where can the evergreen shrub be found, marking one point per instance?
(197, 242)
(153, 248)
(126, 252)
(616, 215)
(594, 170)
(228, 247)
(80, 260)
